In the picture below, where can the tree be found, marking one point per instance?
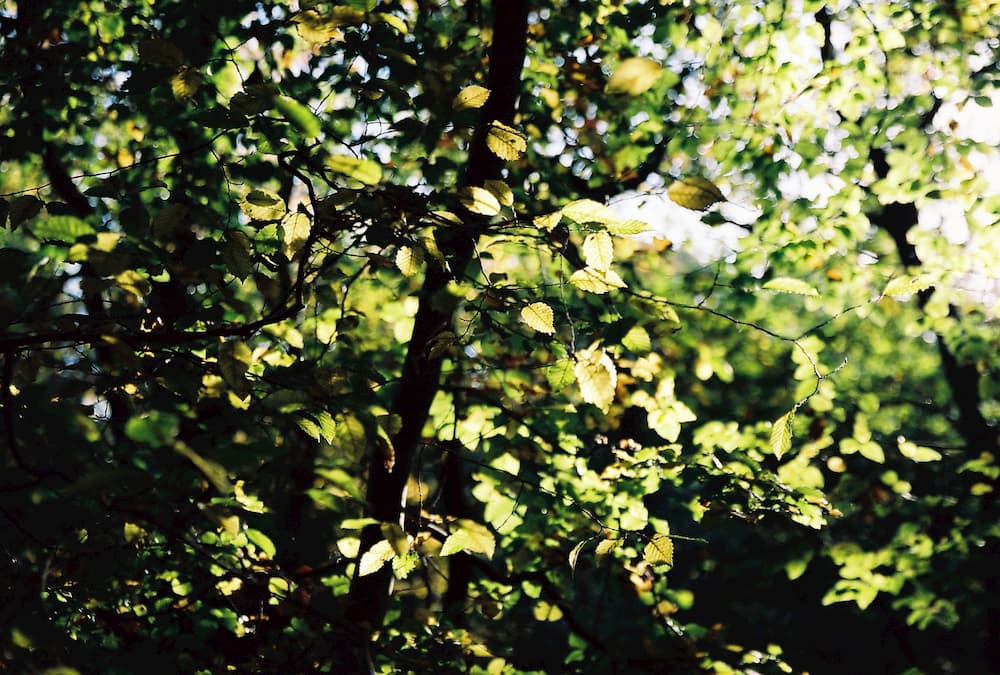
(329, 345)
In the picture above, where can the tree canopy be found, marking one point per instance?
(364, 336)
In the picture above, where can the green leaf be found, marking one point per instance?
(212, 470)
(634, 76)
(160, 52)
(505, 142)
(473, 96)
(300, 116)
(263, 205)
(236, 251)
(365, 171)
(695, 193)
(907, 285)
(470, 536)
(659, 550)
(24, 208)
(154, 428)
(234, 361)
(261, 541)
(479, 200)
(61, 228)
(539, 316)
(917, 453)
(781, 434)
(397, 538)
(789, 285)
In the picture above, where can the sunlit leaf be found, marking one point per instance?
(596, 281)
(789, 285)
(628, 227)
(479, 200)
(409, 260)
(263, 205)
(694, 193)
(295, 229)
(61, 228)
(907, 285)
(505, 142)
(186, 82)
(598, 251)
(548, 222)
(574, 555)
(597, 376)
(917, 453)
(539, 316)
(659, 550)
(472, 96)
(585, 211)
(470, 536)
(781, 434)
(634, 76)
(501, 191)
(374, 558)
(365, 171)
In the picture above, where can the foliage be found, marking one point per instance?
(329, 344)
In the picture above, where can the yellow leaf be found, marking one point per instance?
(634, 76)
(781, 434)
(506, 142)
(545, 611)
(539, 316)
(212, 470)
(470, 536)
(789, 285)
(695, 193)
(501, 191)
(574, 555)
(263, 205)
(479, 200)
(374, 558)
(596, 281)
(585, 211)
(598, 251)
(596, 373)
(917, 453)
(606, 546)
(659, 550)
(321, 28)
(471, 97)
(408, 260)
(548, 222)
(296, 227)
(907, 285)
(185, 82)
(627, 227)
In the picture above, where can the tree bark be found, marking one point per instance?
(389, 470)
